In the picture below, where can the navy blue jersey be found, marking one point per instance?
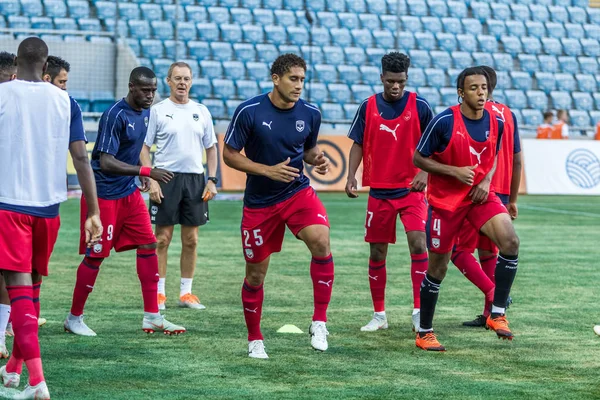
(270, 135)
(77, 132)
(438, 133)
(121, 133)
(388, 110)
(517, 145)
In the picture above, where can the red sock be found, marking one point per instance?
(36, 298)
(418, 269)
(252, 301)
(377, 282)
(321, 272)
(147, 269)
(15, 362)
(470, 268)
(86, 278)
(25, 325)
(488, 265)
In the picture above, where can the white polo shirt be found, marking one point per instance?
(181, 132)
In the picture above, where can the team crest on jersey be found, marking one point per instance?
(249, 253)
(487, 135)
(435, 242)
(196, 117)
(407, 116)
(154, 210)
(300, 126)
(97, 248)
(146, 121)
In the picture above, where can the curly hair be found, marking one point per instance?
(395, 62)
(460, 81)
(285, 62)
(55, 65)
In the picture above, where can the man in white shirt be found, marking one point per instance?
(181, 129)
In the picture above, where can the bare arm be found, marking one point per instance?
(463, 174)
(317, 158)
(145, 157)
(355, 158)
(210, 191)
(515, 184)
(110, 165)
(281, 172)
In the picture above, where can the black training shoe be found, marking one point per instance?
(479, 321)
(509, 301)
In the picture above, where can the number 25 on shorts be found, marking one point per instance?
(255, 236)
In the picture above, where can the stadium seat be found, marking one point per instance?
(558, 14)
(326, 73)
(194, 13)
(512, 45)
(152, 12)
(106, 9)
(446, 41)
(193, 63)
(216, 108)
(515, 98)
(258, 70)
(521, 80)
(440, 59)
(389, 22)
(561, 100)
(139, 29)
(595, 116)
(449, 96)
(336, 6)
(588, 65)
(302, 20)
(406, 40)
(350, 110)
(65, 24)
(461, 59)
(377, 6)
(313, 54)
(247, 89)
(218, 15)
(339, 92)
(161, 67)
(290, 48)
(496, 28)
(546, 81)
(438, 8)
(207, 31)
(571, 47)
(101, 100)
(500, 11)
(487, 43)
(575, 31)
(316, 91)
(275, 34)
(362, 37)
(151, 48)
(235, 70)
(531, 45)
(417, 77)
(333, 55)
(229, 3)
(579, 118)
(42, 23)
(539, 12)
(90, 25)
(503, 62)
(231, 33)
(529, 63)
(355, 55)
(223, 88)
(285, 18)
(32, 8)
(577, 15)
(520, 12)
(425, 41)
(370, 75)
(332, 112)
(552, 46)
(555, 30)
(201, 88)
(253, 33)
(129, 11)
(568, 64)
(361, 92)
(532, 117)
(537, 99)
(341, 37)
(431, 95)
(243, 16)
(515, 28)
(535, 29)
(481, 11)
(592, 31)
(466, 43)
(417, 8)
(548, 63)
(482, 58)
(420, 58)
(596, 96)
(349, 74)
(457, 9)
(590, 47)
(374, 55)
(504, 81)
(432, 24)
(583, 101)
(435, 77)
(411, 23)
(10, 7)
(565, 82)
(162, 30)
(297, 5)
(330, 20)
(265, 52)
(452, 25)
(349, 20)
(55, 8)
(211, 69)
(232, 106)
(368, 21)
(384, 39)
(198, 50)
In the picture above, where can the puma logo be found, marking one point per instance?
(89, 286)
(31, 316)
(475, 153)
(322, 216)
(328, 283)
(385, 128)
(421, 272)
(132, 126)
(169, 116)
(459, 133)
(269, 124)
(499, 112)
(252, 311)
(373, 277)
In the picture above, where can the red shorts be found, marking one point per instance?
(445, 226)
(26, 242)
(126, 225)
(470, 239)
(380, 225)
(263, 228)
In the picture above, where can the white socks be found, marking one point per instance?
(186, 286)
(161, 285)
(498, 310)
(380, 315)
(4, 317)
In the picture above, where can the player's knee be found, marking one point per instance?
(255, 277)
(417, 246)
(509, 244)
(378, 252)
(190, 241)
(163, 239)
(320, 246)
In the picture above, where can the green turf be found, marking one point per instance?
(554, 355)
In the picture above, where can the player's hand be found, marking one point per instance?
(210, 191)
(321, 164)
(352, 187)
(513, 210)
(466, 174)
(480, 192)
(419, 183)
(282, 172)
(161, 175)
(156, 194)
(145, 181)
(93, 230)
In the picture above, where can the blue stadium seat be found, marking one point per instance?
(369, 21)
(229, 3)
(350, 74)
(222, 51)
(326, 73)
(349, 20)
(207, 3)
(78, 8)
(377, 6)
(198, 50)
(336, 6)
(431, 95)
(555, 30)
(275, 34)
(41, 23)
(201, 88)
(515, 28)
(258, 70)
(425, 41)
(90, 24)
(285, 17)
(449, 96)
(332, 112)
(439, 59)
(58, 38)
(487, 43)
(350, 110)
(411, 23)
(539, 12)
(520, 12)
(163, 2)
(420, 58)
(338, 92)
(480, 58)
(537, 99)
(273, 4)
(568, 64)
(472, 26)
(558, 14)
(416, 77)
(82, 98)
(583, 101)
(577, 15)
(216, 108)
(297, 5)
(151, 48)
(518, 116)
(453, 76)
(593, 14)
(548, 63)
(262, 16)
(481, 11)
(162, 30)
(596, 96)
(152, 12)
(313, 54)
(32, 8)
(552, 46)
(435, 77)
(512, 45)
(579, 118)
(515, 98)
(253, 34)
(10, 7)
(504, 81)
(592, 31)
(500, 11)
(362, 37)
(521, 80)
(575, 31)
(317, 91)
(532, 117)
(186, 31)
(503, 61)
(535, 29)
(571, 47)
(173, 13)
(588, 65)
(65, 24)
(432, 24)
(447, 41)
(161, 67)
(291, 48)
(341, 37)
(106, 9)
(55, 8)
(223, 88)
(590, 47)
(302, 20)
(328, 19)
(461, 59)
(219, 15)
(211, 69)
(334, 55)
(101, 100)
(452, 25)
(193, 63)
(546, 81)
(438, 8)
(595, 116)
(207, 31)
(561, 100)
(374, 55)
(529, 63)
(235, 70)
(129, 11)
(266, 52)
(355, 55)
(417, 8)
(247, 89)
(531, 45)
(231, 33)
(407, 40)
(194, 13)
(232, 105)
(565, 82)
(457, 9)
(389, 22)
(384, 39)
(361, 92)
(496, 28)
(139, 29)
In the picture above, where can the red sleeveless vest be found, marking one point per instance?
(503, 175)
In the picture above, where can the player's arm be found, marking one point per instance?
(517, 168)
(150, 185)
(480, 192)
(419, 182)
(281, 172)
(110, 165)
(312, 154)
(357, 134)
(209, 141)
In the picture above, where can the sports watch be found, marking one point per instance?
(213, 179)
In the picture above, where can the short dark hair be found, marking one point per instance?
(7, 62)
(395, 62)
(32, 50)
(179, 64)
(139, 73)
(548, 114)
(491, 77)
(55, 65)
(460, 81)
(285, 62)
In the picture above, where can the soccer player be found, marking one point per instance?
(115, 161)
(459, 149)
(278, 131)
(544, 131)
(31, 190)
(506, 182)
(8, 69)
(181, 129)
(57, 72)
(386, 130)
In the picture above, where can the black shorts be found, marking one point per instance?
(182, 203)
